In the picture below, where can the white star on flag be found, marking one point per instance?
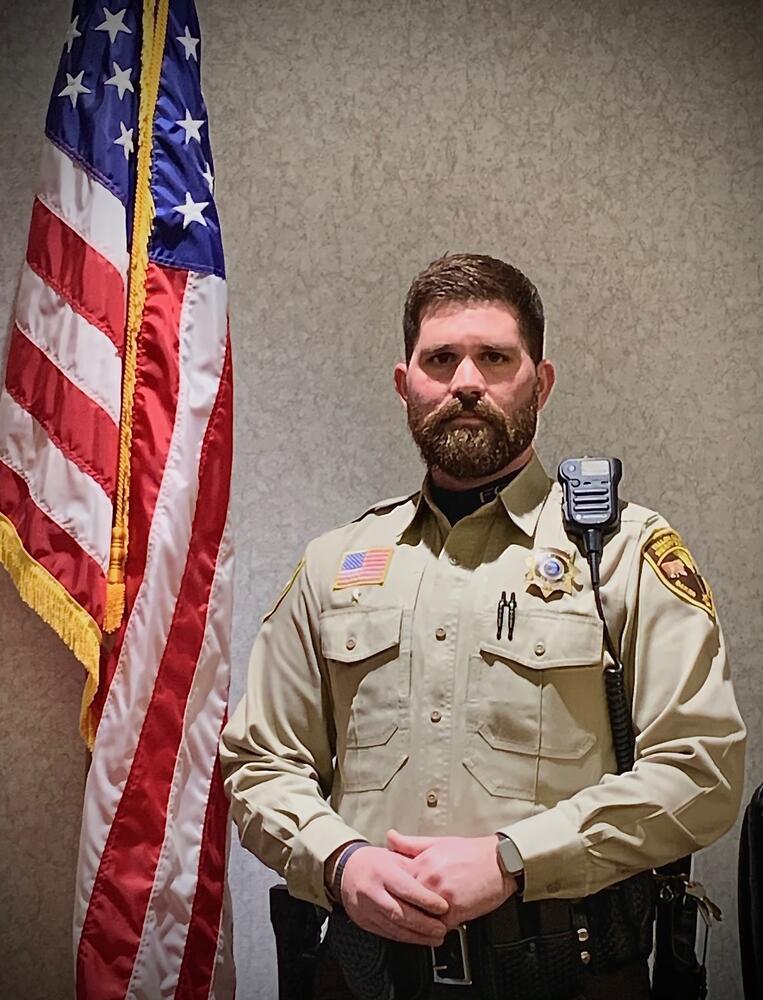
(71, 34)
(207, 175)
(189, 43)
(192, 210)
(125, 140)
(114, 23)
(191, 126)
(121, 80)
(74, 87)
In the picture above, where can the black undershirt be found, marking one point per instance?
(456, 504)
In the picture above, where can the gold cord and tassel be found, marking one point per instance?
(155, 16)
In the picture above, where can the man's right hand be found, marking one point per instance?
(380, 894)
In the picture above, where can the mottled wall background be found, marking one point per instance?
(612, 148)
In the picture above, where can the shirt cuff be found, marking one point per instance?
(310, 849)
(553, 853)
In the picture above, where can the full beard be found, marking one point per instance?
(473, 452)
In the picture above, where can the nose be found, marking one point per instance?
(467, 381)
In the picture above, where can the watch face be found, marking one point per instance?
(510, 856)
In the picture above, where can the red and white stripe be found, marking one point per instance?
(148, 897)
(150, 916)
(59, 408)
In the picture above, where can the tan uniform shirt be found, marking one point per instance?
(394, 704)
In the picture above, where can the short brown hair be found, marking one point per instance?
(469, 278)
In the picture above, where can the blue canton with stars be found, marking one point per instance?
(93, 118)
(353, 560)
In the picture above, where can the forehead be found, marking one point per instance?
(479, 322)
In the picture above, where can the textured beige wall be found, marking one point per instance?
(610, 148)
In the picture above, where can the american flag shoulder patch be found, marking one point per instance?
(366, 567)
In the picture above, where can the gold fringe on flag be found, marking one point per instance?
(55, 605)
(152, 54)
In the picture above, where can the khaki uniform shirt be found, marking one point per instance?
(392, 703)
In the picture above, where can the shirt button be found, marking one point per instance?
(453, 560)
(431, 800)
(585, 957)
(540, 649)
(440, 633)
(350, 644)
(583, 934)
(435, 716)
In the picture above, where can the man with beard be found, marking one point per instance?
(430, 754)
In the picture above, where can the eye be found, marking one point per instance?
(494, 357)
(442, 358)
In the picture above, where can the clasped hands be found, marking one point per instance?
(417, 888)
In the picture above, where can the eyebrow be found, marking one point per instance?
(437, 348)
(500, 348)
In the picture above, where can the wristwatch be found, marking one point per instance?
(510, 860)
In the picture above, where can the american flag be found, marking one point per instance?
(366, 567)
(151, 911)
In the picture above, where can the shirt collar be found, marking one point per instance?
(523, 498)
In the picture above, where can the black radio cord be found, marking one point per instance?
(614, 673)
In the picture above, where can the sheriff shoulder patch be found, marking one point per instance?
(674, 565)
(285, 590)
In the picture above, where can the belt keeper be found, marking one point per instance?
(583, 934)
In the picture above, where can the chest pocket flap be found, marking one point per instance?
(547, 639)
(350, 636)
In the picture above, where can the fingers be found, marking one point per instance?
(381, 895)
(405, 936)
(409, 846)
(408, 889)
(397, 920)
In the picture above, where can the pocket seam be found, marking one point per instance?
(502, 790)
(371, 785)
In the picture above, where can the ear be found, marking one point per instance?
(546, 375)
(401, 381)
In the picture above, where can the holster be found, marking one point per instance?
(363, 957)
(677, 973)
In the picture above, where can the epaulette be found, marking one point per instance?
(385, 506)
(635, 513)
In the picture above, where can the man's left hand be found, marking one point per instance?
(463, 870)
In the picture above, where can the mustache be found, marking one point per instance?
(452, 408)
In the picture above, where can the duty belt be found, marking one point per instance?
(528, 951)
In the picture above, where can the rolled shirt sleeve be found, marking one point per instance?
(685, 787)
(276, 751)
